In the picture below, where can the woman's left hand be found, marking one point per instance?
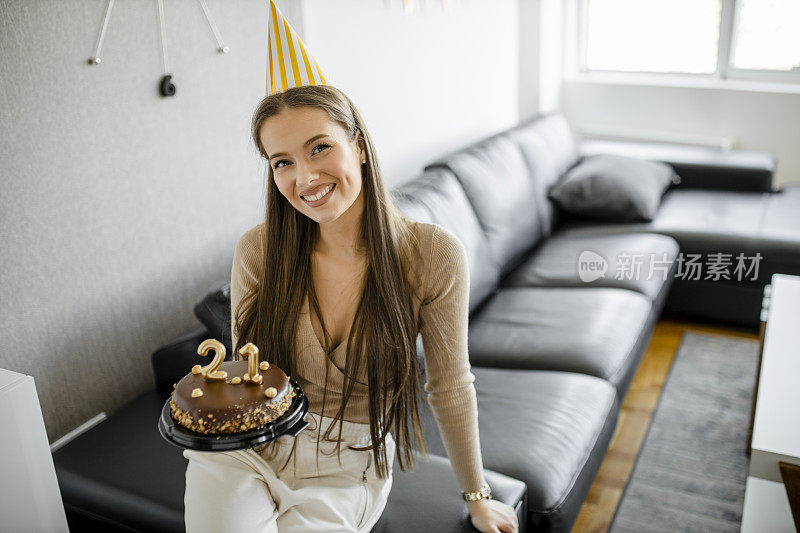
(492, 516)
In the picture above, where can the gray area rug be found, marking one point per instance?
(691, 471)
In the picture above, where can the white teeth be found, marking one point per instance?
(320, 194)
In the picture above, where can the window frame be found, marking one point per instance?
(724, 72)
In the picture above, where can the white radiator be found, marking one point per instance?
(600, 132)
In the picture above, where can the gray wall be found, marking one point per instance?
(121, 208)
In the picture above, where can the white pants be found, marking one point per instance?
(242, 491)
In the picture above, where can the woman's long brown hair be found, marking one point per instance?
(384, 320)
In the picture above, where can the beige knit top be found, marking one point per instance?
(442, 298)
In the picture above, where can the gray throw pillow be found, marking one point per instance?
(613, 187)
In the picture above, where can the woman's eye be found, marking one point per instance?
(314, 151)
(317, 146)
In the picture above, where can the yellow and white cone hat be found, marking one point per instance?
(289, 63)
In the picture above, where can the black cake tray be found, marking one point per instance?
(292, 422)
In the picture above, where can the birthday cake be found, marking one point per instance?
(227, 397)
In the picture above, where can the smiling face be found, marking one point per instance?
(315, 166)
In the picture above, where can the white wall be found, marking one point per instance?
(529, 59)
(756, 120)
(426, 82)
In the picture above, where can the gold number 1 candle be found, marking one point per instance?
(250, 351)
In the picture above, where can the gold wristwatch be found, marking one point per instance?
(484, 493)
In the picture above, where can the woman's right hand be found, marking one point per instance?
(492, 516)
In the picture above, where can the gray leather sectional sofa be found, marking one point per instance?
(553, 355)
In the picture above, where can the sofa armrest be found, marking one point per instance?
(699, 167)
(427, 498)
(175, 359)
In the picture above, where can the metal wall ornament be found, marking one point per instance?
(166, 86)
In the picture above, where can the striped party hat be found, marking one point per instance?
(289, 63)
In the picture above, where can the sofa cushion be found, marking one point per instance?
(437, 197)
(122, 475)
(561, 151)
(705, 219)
(497, 181)
(702, 221)
(594, 331)
(640, 262)
(748, 235)
(549, 148)
(548, 429)
(613, 187)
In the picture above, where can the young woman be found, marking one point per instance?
(334, 288)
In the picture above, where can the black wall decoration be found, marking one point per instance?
(166, 86)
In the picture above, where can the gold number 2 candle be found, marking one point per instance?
(210, 372)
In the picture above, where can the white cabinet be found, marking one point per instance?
(776, 421)
(30, 500)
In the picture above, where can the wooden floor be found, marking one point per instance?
(634, 418)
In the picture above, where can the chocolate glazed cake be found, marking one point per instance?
(226, 400)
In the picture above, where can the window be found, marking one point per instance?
(767, 35)
(707, 38)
